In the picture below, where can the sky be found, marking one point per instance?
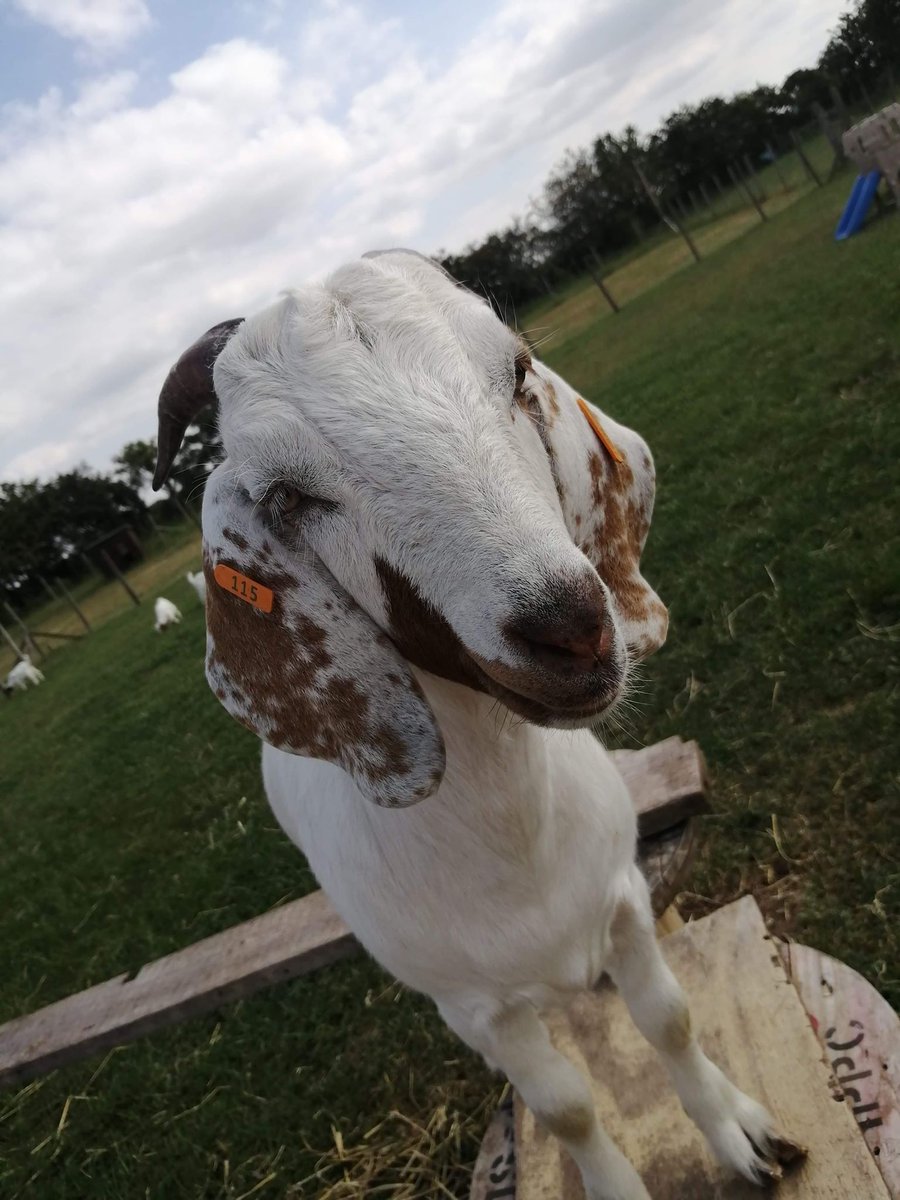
(167, 164)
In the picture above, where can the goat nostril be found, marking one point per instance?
(569, 629)
(585, 647)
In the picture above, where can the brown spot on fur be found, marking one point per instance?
(550, 393)
(421, 633)
(677, 1035)
(277, 670)
(572, 1123)
(530, 405)
(236, 539)
(619, 535)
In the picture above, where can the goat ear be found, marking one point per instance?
(294, 658)
(622, 488)
(606, 483)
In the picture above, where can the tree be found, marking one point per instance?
(135, 463)
(43, 526)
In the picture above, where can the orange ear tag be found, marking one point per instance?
(615, 454)
(239, 585)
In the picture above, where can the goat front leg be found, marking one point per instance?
(740, 1132)
(560, 1097)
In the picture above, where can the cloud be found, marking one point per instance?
(129, 226)
(102, 25)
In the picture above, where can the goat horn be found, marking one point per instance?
(188, 389)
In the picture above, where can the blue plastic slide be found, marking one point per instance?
(861, 196)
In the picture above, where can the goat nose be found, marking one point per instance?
(570, 628)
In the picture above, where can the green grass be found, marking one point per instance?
(131, 813)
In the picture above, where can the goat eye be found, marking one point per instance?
(521, 370)
(290, 500)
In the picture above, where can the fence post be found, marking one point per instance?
(777, 165)
(29, 640)
(12, 645)
(672, 222)
(754, 178)
(182, 508)
(597, 276)
(739, 183)
(809, 167)
(121, 578)
(706, 200)
(66, 593)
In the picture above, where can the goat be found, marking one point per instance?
(23, 673)
(198, 583)
(166, 614)
(420, 536)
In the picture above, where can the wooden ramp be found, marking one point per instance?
(832, 1094)
(667, 783)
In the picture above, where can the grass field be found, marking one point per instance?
(766, 380)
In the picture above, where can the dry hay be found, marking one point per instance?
(407, 1157)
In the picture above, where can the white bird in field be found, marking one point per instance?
(166, 614)
(198, 583)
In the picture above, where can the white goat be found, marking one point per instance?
(23, 673)
(416, 520)
(198, 583)
(166, 614)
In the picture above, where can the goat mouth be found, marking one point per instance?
(552, 713)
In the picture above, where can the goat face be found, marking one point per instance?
(412, 488)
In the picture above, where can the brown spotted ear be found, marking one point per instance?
(606, 484)
(294, 658)
(621, 488)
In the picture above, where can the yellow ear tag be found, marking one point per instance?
(615, 454)
(239, 585)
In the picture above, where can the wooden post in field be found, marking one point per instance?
(182, 508)
(596, 273)
(121, 578)
(777, 165)
(739, 183)
(28, 639)
(47, 588)
(71, 602)
(706, 200)
(92, 568)
(12, 645)
(718, 182)
(752, 177)
(810, 170)
(671, 221)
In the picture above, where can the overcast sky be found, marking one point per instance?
(165, 164)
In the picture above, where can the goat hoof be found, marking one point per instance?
(777, 1154)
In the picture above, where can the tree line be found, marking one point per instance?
(45, 527)
(593, 205)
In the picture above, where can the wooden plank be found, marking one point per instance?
(278, 945)
(667, 782)
(753, 1023)
(494, 1174)
(860, 1035)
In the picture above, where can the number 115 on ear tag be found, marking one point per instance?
(244, 588)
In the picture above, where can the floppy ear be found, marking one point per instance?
(294, 658)
(606, 484)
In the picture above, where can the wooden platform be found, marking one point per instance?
(833, 1094)
(667, 782)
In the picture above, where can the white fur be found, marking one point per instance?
(198, 583)
(165, 614)
(388, 392)
(23, 673)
